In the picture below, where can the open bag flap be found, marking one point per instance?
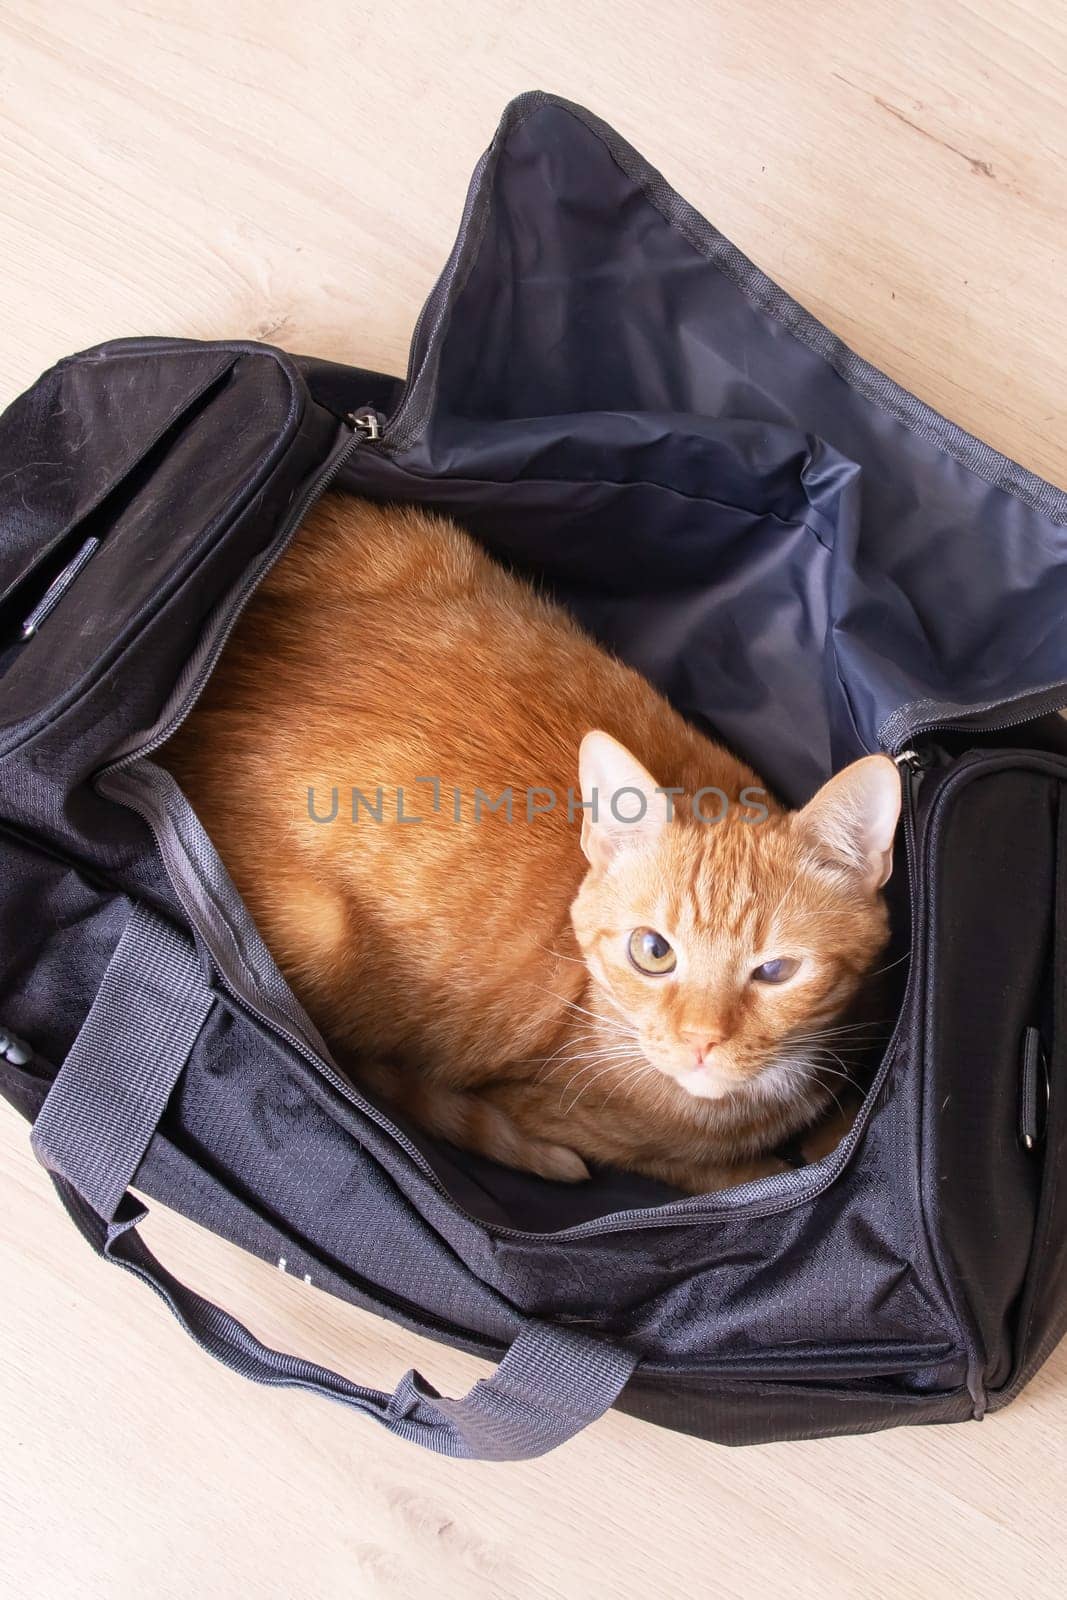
(799, 552)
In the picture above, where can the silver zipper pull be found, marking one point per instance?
(365, 422)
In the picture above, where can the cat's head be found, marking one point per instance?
(727, 948)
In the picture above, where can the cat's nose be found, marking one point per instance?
(703, 1043)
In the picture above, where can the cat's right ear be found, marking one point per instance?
(854, 818)
(623, 805)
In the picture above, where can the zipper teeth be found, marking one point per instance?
(1035, 705)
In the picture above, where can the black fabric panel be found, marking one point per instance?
(837, 1285)
(58, 929)
(1042, 1312)
(992, 911)
(73, 438)
(752, 1413)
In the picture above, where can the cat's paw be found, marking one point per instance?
(558, 1162)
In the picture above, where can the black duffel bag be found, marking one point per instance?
(805, 559)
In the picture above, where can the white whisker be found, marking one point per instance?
(849, 1027)
(604, 1071)
(889, 965)
(618, 1022)
(640, 1072)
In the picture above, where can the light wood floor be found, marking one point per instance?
(295, 173)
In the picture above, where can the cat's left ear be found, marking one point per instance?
(855, 816)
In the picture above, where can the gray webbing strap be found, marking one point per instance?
(107, 1100)
(92, 1131)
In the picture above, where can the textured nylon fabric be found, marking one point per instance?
(107, 1100)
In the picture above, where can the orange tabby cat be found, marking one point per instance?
(652, 994)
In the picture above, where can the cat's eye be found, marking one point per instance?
(651, 953)
(777, 971)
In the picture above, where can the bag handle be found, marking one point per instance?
(91, 1133)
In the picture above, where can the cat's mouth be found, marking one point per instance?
(777, 1072)
(713, 1078)
(780, 1077)
(707, 1082)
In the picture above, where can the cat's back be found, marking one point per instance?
(392, 608)
(390, 632)
(350, 550)
(387, 654)
(386, 645)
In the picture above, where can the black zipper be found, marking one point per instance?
(912, 764)
(58, 588)
(1013, 714)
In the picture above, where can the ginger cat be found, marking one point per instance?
(549, 989)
